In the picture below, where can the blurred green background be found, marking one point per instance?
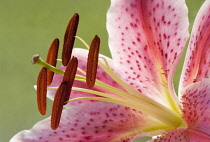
(27, 28)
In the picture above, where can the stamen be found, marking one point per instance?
(69, 76)
(52, 59)
(58, 105)
(42, 90)
(69, 39)
(81, 71)
(60, 60)
(92, 62)
(83, 42)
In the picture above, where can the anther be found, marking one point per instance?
(58, 105)
(69, 76)
(92, 62)
(42, 91)
(34, 58)
(52, 59)
(69, 39)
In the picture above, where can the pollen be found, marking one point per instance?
(42, 91)
(58, 105)
(92, 62)
(69, 76)
(69, 39)
(52, 59)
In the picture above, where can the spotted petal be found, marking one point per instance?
(182, 135)
(196, 106)
(88, 122)
(146, 39)
(197, 62)
(196, 113)
(91, 122)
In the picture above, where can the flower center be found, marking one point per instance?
(129, 97)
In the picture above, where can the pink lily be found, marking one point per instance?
(146, 39)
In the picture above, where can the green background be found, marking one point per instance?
(27, 27)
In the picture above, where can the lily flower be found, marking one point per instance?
(133, 95)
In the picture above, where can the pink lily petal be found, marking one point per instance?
(197, 60)
(196, 113)
(182, 135)
(82, 54)
(89, 122)
(146, 39)
(196, 106)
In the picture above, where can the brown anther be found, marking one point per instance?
(63, 93)
(58, 105)
(34, 58)
(69, 76)
(69, 39)
(42, 91)
(92, 62)
(52, 59)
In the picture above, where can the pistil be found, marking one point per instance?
(36, 59)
